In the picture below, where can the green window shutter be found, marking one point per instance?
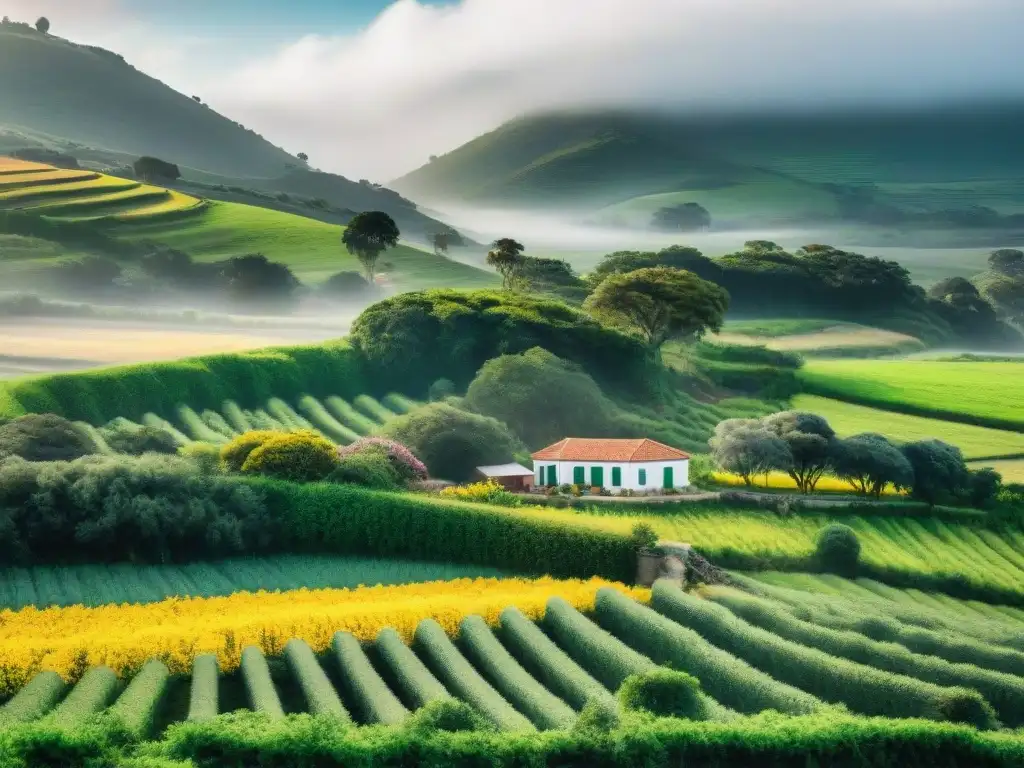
(540, 474)
(669, 478)
(643, 477)
(579, 475)
(597, 477)
(552, 474)
(616, 477)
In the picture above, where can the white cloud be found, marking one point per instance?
(422, 79)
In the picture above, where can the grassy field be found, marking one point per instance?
(850, 419)
(817, 337)
(982, 393)
(119, 583)
(1012, 470)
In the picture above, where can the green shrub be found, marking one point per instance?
(263, 696)
(299, 456)
(234, 455)
(545, 710)
(864, 689)
(729, 680)
(206, 456)
(643, 536)
(441, 390)
(458, 676)
(453, 442)
(370, 468)
(405, 464)
(838, 549)
(43, 437)
(597, 717)
(319, 693)
(449, 715)
(127, 437)
(376, 702)
(663, 692)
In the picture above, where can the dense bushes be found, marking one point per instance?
(413, 339)
(344, 519)
(123, 436)
(104, 509)
(406, 467)
(43, 437)
(453, 442)
(838, 549)
(663, 692)
(302, 456)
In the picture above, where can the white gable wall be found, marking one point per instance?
(565, 472)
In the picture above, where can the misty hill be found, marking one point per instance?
(781, 167)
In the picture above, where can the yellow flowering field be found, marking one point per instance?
(123, 637)
(784, 481)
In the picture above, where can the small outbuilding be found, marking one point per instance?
(512, 477)
(642, 465)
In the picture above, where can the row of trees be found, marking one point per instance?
(805, 446)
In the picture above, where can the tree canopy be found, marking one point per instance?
(871, 463)
(660, 303)
(154, 169)
(506, 256)
(688, 217)
(940, 472)
(811, 444)
(367, 236)
(43, 25)
(747, 448)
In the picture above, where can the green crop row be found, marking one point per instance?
(550, 664)
(90, 695)
(377, 704)
(135, 709)
(258, 683)
(729, 680)
(321, 698)
(1005, 692)
(513, 682)
(35, 699)
(459, 676)
(412, 679)
(204, 699)
(863, 689)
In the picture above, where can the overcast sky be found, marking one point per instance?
(371, 88)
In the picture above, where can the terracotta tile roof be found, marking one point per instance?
(587, 449)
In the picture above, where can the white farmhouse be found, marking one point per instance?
(618, 465)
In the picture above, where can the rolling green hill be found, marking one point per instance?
(823, 167)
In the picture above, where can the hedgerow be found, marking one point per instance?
(458, 676)
(550, 664)
(35, 699)
(320, 696)
(258, 683)
(377, 704)
(727, 679)
(864, 689)
(509, 678)
(136, 707)
(204, 699)
(413, 681)
(1004, 692)
(91, 694)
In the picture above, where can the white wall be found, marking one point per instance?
(630, 473)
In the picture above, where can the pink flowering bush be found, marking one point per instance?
(402, 459)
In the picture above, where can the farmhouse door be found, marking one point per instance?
(597, 477)
(552, 477)
(668, 478)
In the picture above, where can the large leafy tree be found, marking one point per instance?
(660, 303)
(811, 443)
(1007, 261)
(940, 472)
(368, 235)
(506, 256)
(870, 463)
(746, 448)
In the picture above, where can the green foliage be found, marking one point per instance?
(608, 659)
(320, 696)
(441, 390)
(453, 442)
(506, 256)
(458, 676)
(353, 419)
(367, 236)
(413, 339)
(1004, 692)
(643, 536)
(746, 448)
(596, 717)
(864, 689)
(551, 665)
(325, 421)
(34, 700)
(256, 674)
(369, 468)
(500, 668)
(346, 286)
(838, 549)
(376, 702)
(729, 680)
(134, 439)
(204, 698)
(871, 463)
(663, 692)
(91, 694)
(983, 487)
(299, 456)
(136, 708)
(43, 437)
(206, 456)
(416, 684)
(106, 508)
(810, 441)
(447, 714)
(247, 378)
(660, 303)
(940, 472)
